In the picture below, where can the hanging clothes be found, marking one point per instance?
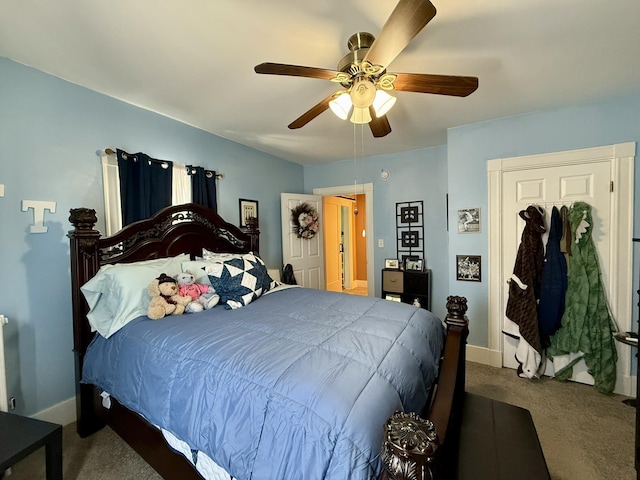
(586, 330)
(524, 291)
(565, 240)
(554, 282)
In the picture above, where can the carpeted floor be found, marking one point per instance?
(584, 435)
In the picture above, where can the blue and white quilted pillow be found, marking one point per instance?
(239, 281)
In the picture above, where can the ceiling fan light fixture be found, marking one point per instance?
(341, 105)
(360, 115)
(362, 92)
(383, 102)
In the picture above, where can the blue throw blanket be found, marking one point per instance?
(296, 385)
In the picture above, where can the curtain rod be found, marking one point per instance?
(111, 151)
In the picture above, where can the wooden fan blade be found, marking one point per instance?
(438, 84)
(379, 126)
(312, 113)
(295, 71)
(404, 23)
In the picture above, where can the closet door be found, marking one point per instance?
(546, 187)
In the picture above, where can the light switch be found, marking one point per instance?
(381, 243)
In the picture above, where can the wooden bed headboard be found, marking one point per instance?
(173, 230)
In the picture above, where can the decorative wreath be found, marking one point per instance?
(305, 221)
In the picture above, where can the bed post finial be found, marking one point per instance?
(456, 306)
(410, 445)
(83, 218)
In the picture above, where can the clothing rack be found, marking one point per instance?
(111, 151)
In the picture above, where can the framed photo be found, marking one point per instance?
(391, 263)
(248, 212)
(411, 262)
(414, 265)
(469, 268)
(469, 220)
(408, 258)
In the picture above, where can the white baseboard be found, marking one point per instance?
(626, 385)
(359, 284)
(484, 355)
(62, 413)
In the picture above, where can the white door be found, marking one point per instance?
(305, 255)
(547, 187)
(563, 177)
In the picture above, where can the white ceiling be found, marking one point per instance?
(193, 60)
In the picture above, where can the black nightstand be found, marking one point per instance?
(21, 436)
(407, 285)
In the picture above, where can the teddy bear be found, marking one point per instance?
(203, 296)
(165, 298)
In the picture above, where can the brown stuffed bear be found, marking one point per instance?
(165, 299)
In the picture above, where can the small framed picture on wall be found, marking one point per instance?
(469, 268)
(469, 220)
(248, 212)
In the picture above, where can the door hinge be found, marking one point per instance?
(611, 186)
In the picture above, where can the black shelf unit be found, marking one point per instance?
(408, 286)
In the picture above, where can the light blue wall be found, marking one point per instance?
(49, 132)
(470, 147)
(415, 175)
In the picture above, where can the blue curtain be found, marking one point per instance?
(145, 185)
(203, 187)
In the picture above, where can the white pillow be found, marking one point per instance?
(196, 268)
(219, 257)
(118, 293)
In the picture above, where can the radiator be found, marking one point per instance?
(4, 407)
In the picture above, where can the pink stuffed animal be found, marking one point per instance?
(203, 296)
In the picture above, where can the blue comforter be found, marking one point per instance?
(296, 385)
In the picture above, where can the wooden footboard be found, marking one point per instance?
(189, 228)
(421, 447)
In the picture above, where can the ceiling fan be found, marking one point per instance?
(363, 72)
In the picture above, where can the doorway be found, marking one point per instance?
(362, 233)
(344, 243)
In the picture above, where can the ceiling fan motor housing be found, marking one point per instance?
(358, 44)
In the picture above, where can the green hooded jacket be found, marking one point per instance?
(586, 323)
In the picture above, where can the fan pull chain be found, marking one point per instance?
(355, 160)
